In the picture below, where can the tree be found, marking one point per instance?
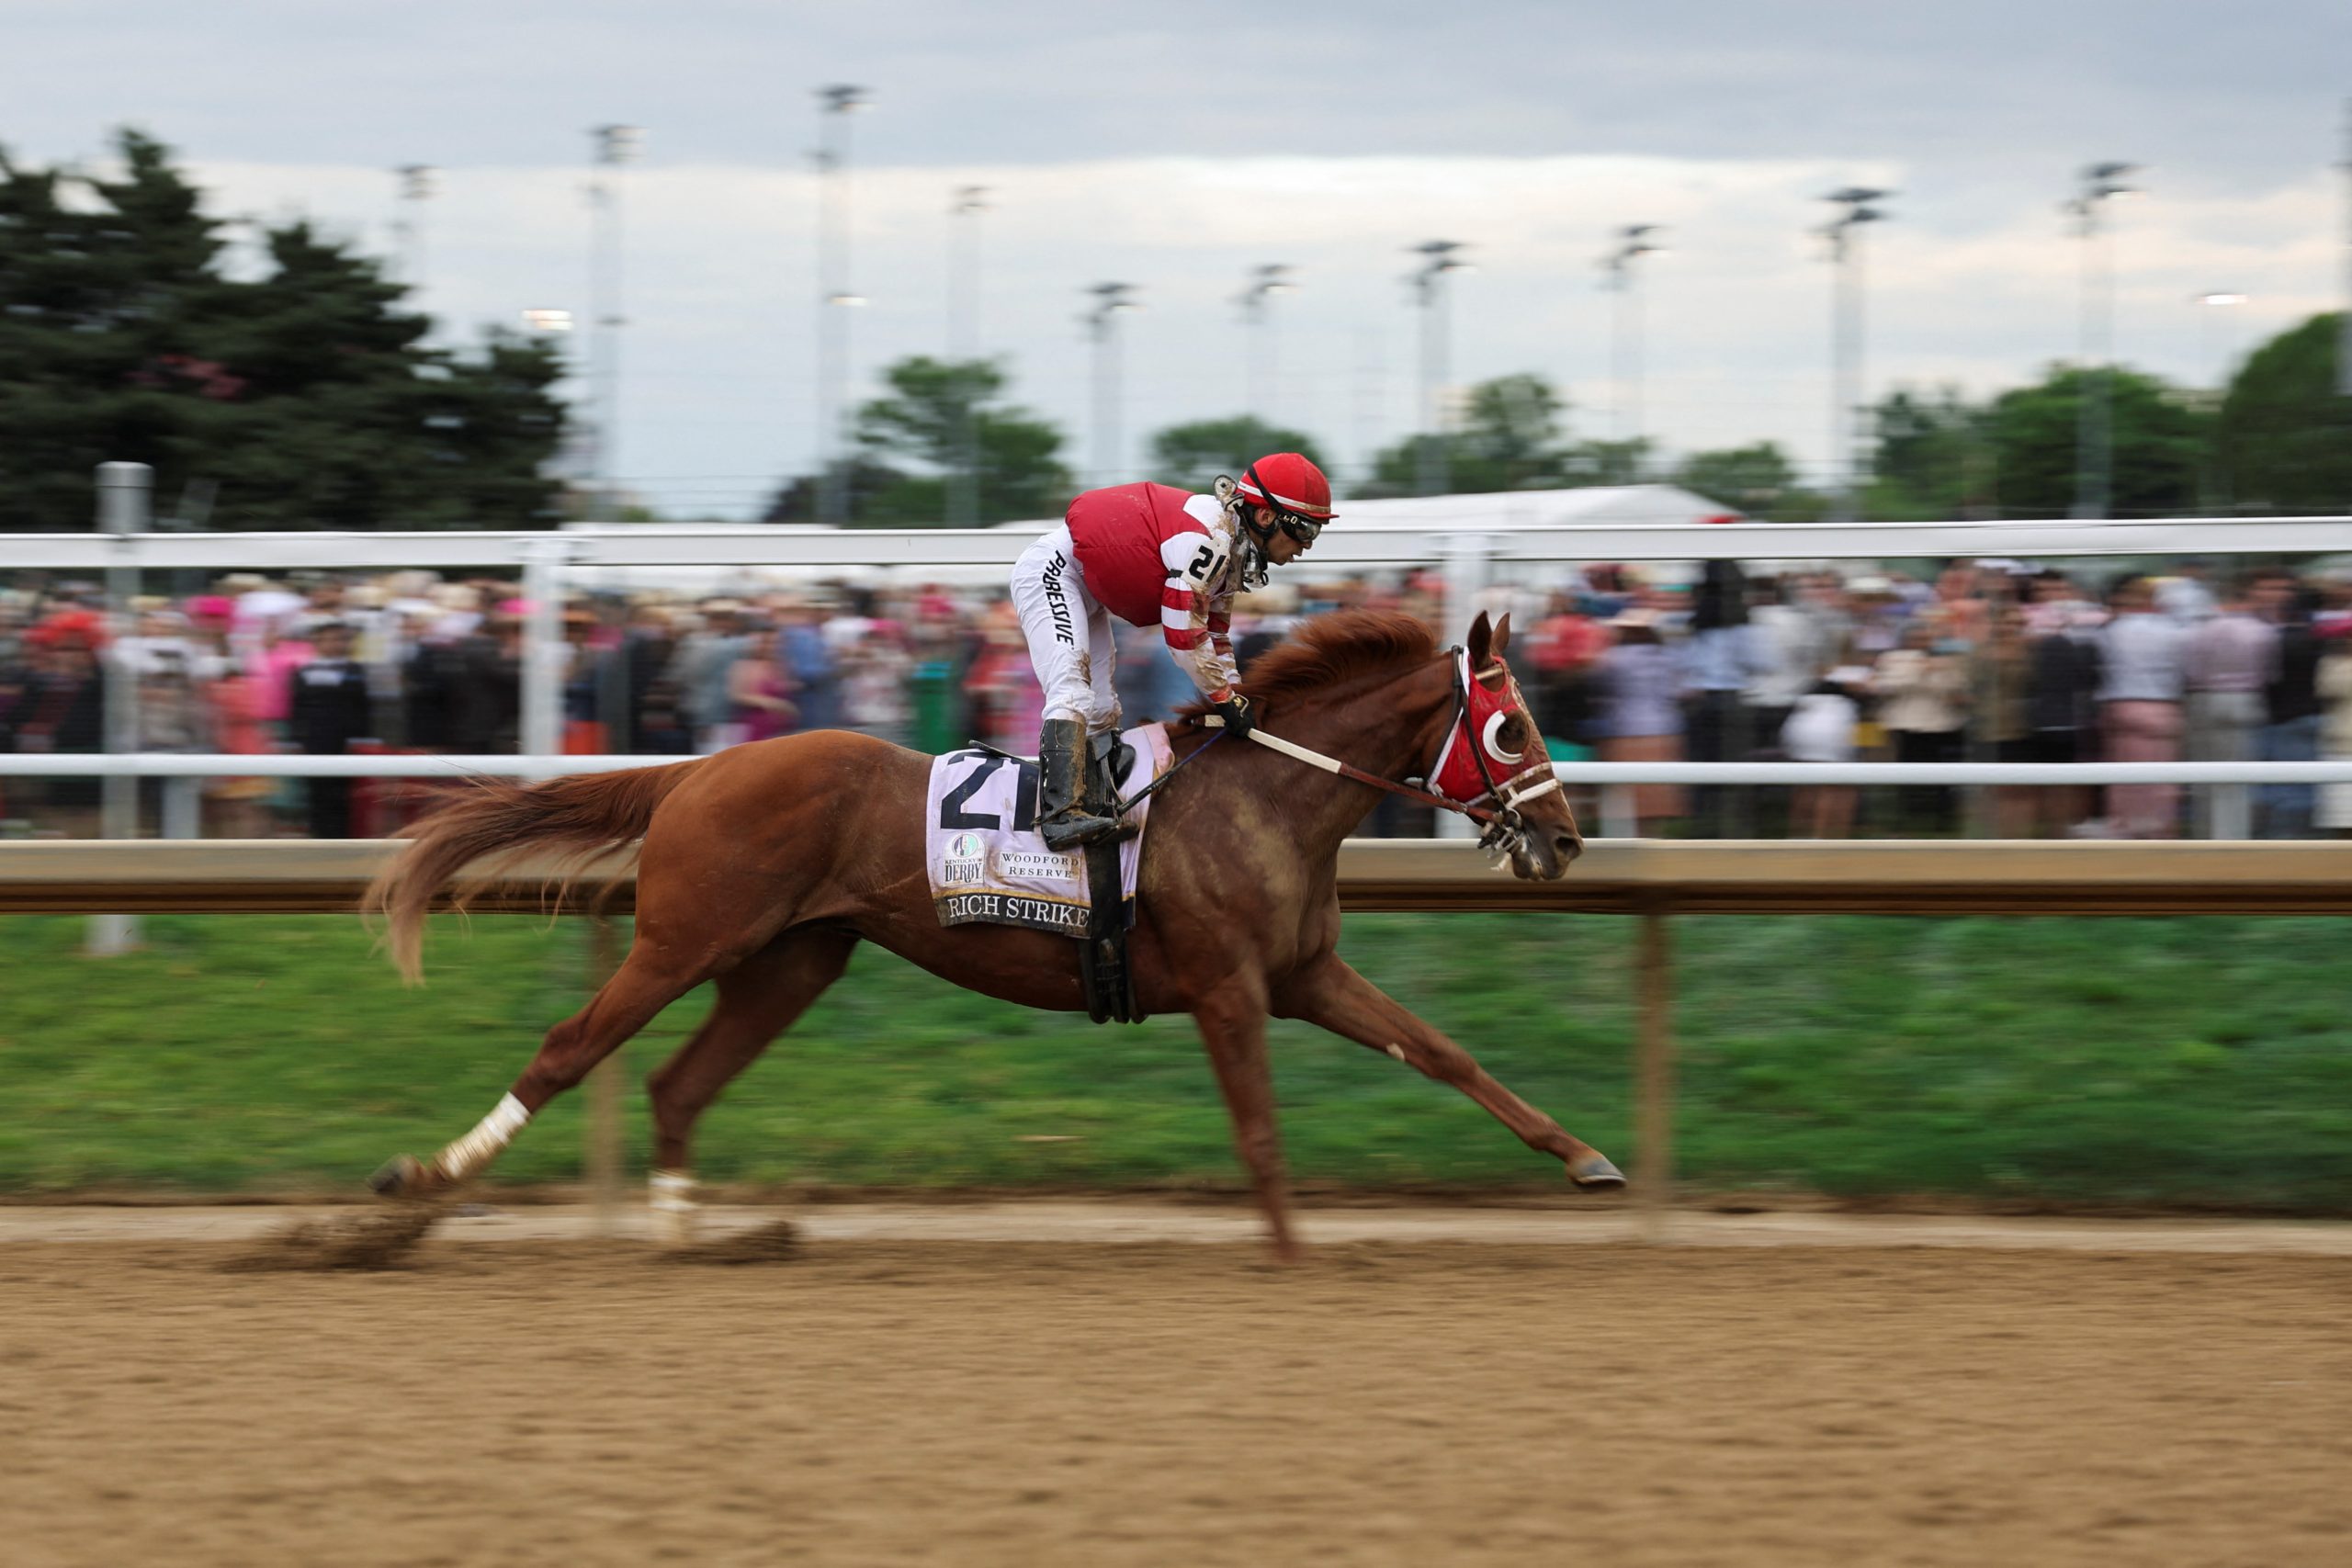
(1508, 438)
(801, 497)
(305, 399)
(1757, 479)
(2158, 443)
(1934, 458)
(1590, 463)
(922, 420)
(1189, 456)
(1511, 433)
(2285, 439)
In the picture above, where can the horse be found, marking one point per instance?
(762, 867)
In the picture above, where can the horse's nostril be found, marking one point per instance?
(1569, 844)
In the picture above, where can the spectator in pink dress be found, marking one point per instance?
(2140, 690)
(761, 691)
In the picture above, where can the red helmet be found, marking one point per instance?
(1290, 484)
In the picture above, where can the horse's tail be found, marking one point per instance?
(577, 818)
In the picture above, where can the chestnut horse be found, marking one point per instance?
(762, 867)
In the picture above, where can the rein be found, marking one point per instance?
(1315, 758)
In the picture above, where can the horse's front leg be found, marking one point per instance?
(1232, 1021)
(1330, 994)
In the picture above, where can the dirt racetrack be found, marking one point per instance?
(523, 1400)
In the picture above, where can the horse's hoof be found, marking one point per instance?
(402, 1176)
(1596, 1174)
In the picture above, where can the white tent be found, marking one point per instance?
(1415, 528)
(1625, 506)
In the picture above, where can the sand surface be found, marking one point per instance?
(514, 1394)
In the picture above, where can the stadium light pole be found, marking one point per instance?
(835, 298)
(416, 188)
(964, 271)
(2208, 479)
(2095, 437)
(2218, 366)
(2344, 327)
(1845, 377)
(1625, 330)
(1258, 322)
(615, 147)
(1438, 257)
(964, 346)
(1111, 301)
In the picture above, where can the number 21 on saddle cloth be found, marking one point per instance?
(988, 862)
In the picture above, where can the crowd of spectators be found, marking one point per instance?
(1981, 660)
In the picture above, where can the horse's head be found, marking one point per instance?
(1493, 756)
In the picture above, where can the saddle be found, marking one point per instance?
(986, 864)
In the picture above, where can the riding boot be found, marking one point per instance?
(1062, 816)
(1112, 760)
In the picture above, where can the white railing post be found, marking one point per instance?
(543, 645)
(182, 808)
(123, 502)
(1619, 811)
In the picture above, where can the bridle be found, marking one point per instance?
(1505, 827)
(1484, 745)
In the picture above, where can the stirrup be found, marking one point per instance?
(1076, 829)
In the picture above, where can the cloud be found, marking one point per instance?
(717, 388)
(1176, 146)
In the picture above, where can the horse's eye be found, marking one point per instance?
(1513, 734)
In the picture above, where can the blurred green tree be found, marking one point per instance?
(2159, 441)
(1509, 436)
(1758, 480)
(2285, 439)
(1191, 456)
(305, 398)
(1629, 462)
(922, 420)
(1934, 458)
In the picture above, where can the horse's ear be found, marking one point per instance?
(1481, 640)
(1502, 636)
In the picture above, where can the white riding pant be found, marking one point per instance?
(1070, 640)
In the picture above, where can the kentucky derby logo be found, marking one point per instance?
(966, 863)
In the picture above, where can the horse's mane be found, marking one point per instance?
(1328, 650)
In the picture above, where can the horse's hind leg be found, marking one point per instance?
(649, 980)
(758, 1000)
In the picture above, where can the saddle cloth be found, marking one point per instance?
(988, 862)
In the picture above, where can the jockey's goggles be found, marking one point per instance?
(1299, 527)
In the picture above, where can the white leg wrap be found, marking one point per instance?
(479, 1147)
(671, 1197)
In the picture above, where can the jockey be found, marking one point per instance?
(1149, 554)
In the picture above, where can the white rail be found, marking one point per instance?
(1495, 535)
(424, 765)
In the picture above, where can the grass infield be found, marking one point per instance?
(2187, 1062)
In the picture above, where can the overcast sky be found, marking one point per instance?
(1175, 146)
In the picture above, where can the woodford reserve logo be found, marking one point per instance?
(1032, 865)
